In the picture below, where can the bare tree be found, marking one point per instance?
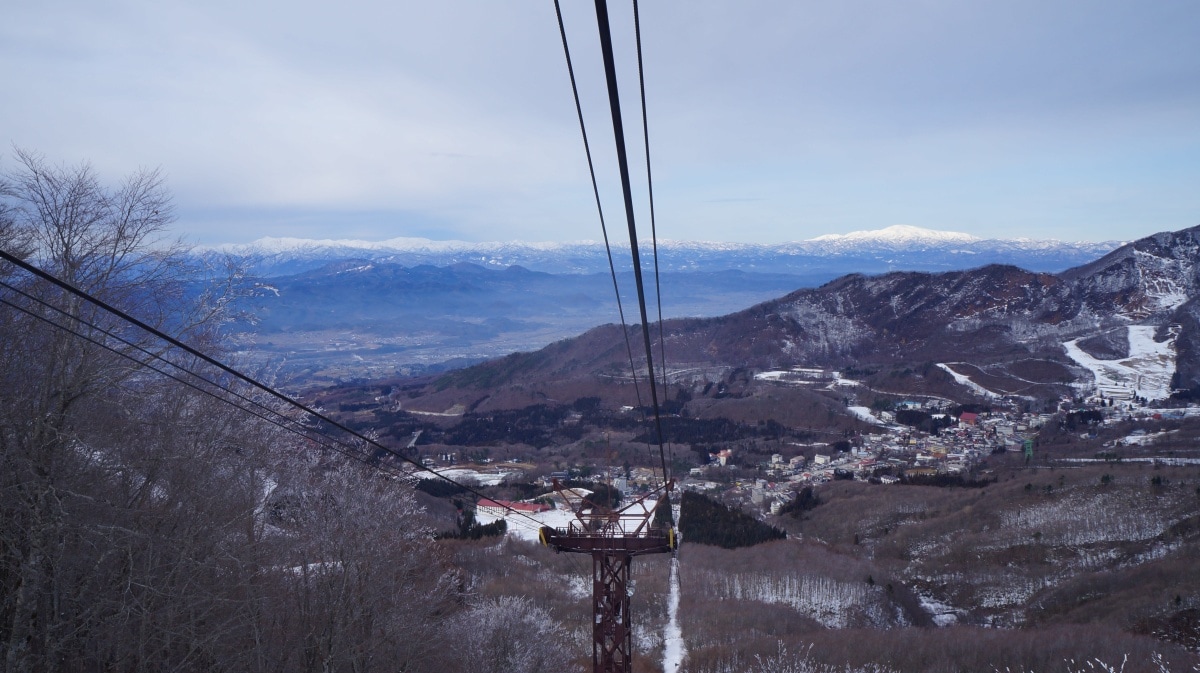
(361, 586)
(147, 526)
(511, 635)
(107, 242)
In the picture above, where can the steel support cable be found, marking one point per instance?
(96, 301)
(662, 342)
(614, 103)
(301, 432)
(604, 228)
(160, 357)
(264, 412)
(130, 344)
(587, 148)
(267, 414)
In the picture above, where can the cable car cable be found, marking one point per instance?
(124, 354)
(587, 148)
(46, 276)
(614, 102)
(288, 424)
(662, 343)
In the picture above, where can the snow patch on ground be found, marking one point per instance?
(828, 601)
(1011, 592)
(462, 474)
(800, 376)
(520, 526)
(864, 413)
(674, 649)
(1086, 519)
(770, 376)
(966, 381)
(1146, 372)
(1144, 440)
(942, 614)
(1154, 460)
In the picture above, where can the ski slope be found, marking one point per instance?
(1145, 372)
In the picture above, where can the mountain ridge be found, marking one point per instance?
(893, 248)
(1000, 318)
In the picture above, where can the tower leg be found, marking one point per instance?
(612, 636)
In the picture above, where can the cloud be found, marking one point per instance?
(831, 117)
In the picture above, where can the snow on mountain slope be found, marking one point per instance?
(894, 236)
(1146, 372)
(1165, 280)
(899, 234)
(896, 247)
(864, 413)
(277, 245)
(964, 380)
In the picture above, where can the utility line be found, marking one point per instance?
(267, 414)
(143, 349)
(302, 432)
(290, 424)
(637, 32)
(29, 268)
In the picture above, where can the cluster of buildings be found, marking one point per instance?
(883, 458)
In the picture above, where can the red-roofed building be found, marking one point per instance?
(968, 418)
(498, 508)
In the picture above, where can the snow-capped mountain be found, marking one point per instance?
(898, 235)
(351, 306)
(1126, 324)
(898, 247)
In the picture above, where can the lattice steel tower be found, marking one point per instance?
(613, 538)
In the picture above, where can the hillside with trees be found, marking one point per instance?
(703, 520)
(149, 522)
(148, 526)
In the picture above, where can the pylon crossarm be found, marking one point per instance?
(593, 520)
(646, 516)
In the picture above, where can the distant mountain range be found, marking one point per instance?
(899, 247)
(1125, 325)
(331, 310)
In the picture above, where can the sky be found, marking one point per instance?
(770, 120)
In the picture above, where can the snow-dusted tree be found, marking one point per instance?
(79, 507)
(511, 635)
(361, 587)
(146, 526)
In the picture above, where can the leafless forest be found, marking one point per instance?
(145, 526)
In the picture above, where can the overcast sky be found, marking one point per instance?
(770, 121)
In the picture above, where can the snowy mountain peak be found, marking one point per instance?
(894, 248)
(902, 234)
(278, 245)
